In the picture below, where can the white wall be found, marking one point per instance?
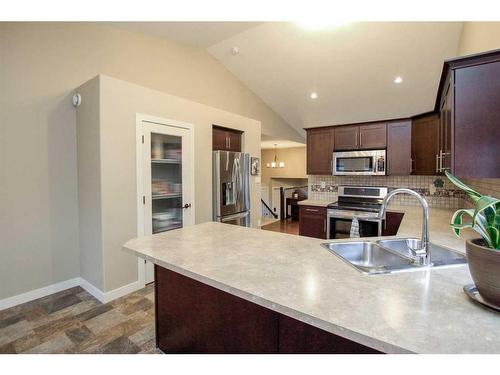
(40, 66)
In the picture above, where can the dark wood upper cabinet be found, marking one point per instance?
(226, 139)
(219, 139)
(372, 136)
(346, 137)
(425, 144)
(360, 137)
(320, 144)
(477, 121)
(468, 106)
(399, 148)
(234, 141)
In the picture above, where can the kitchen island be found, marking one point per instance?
(284, 288)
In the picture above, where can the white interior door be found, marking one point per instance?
(167, 186)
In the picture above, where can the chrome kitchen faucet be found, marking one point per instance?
(422, 252)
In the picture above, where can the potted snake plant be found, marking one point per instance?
(483, 254)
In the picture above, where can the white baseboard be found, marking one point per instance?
(38, 293)
(103, 297)
(93, 290)
(106, 297)
(121, 291)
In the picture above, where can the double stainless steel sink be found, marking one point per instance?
(392, 255)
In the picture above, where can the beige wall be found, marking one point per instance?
(41, 64)
(120, 101)
(478, 37)
(90, 234)
(295, 164)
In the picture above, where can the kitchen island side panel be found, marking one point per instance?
(192, 317)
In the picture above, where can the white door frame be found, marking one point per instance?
(139, 119)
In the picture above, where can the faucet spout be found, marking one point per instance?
(422, 253)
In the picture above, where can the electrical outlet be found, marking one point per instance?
(323, 184)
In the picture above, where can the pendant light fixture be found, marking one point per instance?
(275, 163)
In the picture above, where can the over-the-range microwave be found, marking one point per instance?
(359, 163)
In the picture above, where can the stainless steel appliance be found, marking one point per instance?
(359, 163)
(359, 202)
(231, 187)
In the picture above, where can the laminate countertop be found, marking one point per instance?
(314, 202)
(414, 312)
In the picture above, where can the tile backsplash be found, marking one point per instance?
(485, 186)
(437, 190)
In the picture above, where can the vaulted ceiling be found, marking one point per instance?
(351, 67)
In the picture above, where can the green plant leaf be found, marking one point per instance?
(485, 218)
(495, 237)
(470, 192)
(486, 204)
(479, 225)
(457, 221)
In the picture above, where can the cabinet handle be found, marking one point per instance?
(324, 226)
(437, 164)
(229, 139)
(360, 142)
(411, 165)
(227, 142)
(311, 210)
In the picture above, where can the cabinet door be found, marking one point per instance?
(372, 136)
(312, 221)
(477, 121)
(319, 151)
(346, 138)
(399, 148)
(234, 141)
(425, 145)
(219, 140)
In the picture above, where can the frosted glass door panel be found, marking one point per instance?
(166, 182)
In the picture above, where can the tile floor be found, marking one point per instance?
(72, 321)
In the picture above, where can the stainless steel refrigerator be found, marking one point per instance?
(231, 187)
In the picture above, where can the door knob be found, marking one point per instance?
(187, 205)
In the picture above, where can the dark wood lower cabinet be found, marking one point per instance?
(312, 221)
(391, 223)
(296, 337)
(192, 317)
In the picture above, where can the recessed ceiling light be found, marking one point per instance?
(313, 95)
(398, 80)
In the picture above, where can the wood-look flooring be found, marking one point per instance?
(284, 226)
(73, 321)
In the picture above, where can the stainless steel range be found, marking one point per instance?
(360, 202)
